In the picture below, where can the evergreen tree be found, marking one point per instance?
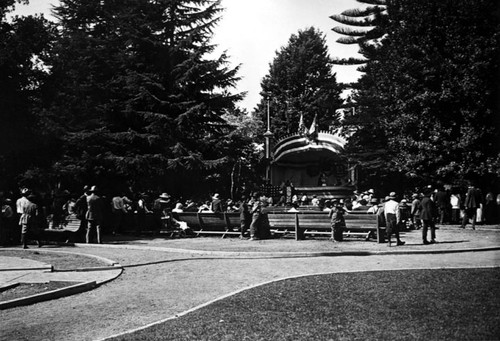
(363, 27)
(300, 81)
(430, 93)
(24, 46)
(137, 99)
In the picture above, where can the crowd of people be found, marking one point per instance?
(97, 213)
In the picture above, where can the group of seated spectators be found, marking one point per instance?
(146, 211)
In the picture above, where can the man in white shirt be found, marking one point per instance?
(392, 218)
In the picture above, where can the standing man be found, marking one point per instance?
(427, 214)
(442, 202)
(21, 207)
(473, 201)
(415, 211)
(94, 215)
(393, 219)
(29, 221)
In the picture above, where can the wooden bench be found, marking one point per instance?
(223, 224)
(72, 232)
(358, 224)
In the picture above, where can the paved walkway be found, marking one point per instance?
(165, 277)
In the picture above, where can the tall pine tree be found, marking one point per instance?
(430, 92)
(24, 46)
(300, 81)
(137, 97)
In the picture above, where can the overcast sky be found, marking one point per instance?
(251, 31)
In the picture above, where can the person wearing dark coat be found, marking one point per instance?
(245, 217)
(442, 203)
(94, 215)
(216, 205)
(427, 213)
(472, 202)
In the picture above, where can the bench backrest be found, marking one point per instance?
(319, 220)
(209, 221)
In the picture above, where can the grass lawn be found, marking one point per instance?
(60, 261)
(456, 304)
(28, 289)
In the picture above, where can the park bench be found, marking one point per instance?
(71, 232)
(223, 224)
(311, 223)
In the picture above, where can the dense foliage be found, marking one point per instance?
(133, 99)
(300, 81)
(24, 46)
(426, 108)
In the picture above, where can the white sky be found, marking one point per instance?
(251, 31)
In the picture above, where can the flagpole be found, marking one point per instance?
(267, 135)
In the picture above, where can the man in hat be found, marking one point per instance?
(29, 221)
(415, 211)
(427, 214)
(216, 205)
(473, 201)
(161, 210)
(392, 219)
(94, 215)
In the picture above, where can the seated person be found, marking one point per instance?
(178, 208)
(363, 206)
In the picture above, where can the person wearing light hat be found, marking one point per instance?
(216, 205)
(29, 221)
(23, 201)
(374, 208)
(161, 210)
(392, 219)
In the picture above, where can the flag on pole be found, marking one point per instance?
(312, 130)
(302, 126)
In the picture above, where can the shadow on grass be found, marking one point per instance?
(447, 304)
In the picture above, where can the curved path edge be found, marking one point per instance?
(277, 254)
(68, 290)
(220, 298)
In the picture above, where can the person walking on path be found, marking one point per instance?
(393, 219)
(471, 204)
(427, 213)
(94, 215)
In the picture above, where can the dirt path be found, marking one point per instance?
(177, 282)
